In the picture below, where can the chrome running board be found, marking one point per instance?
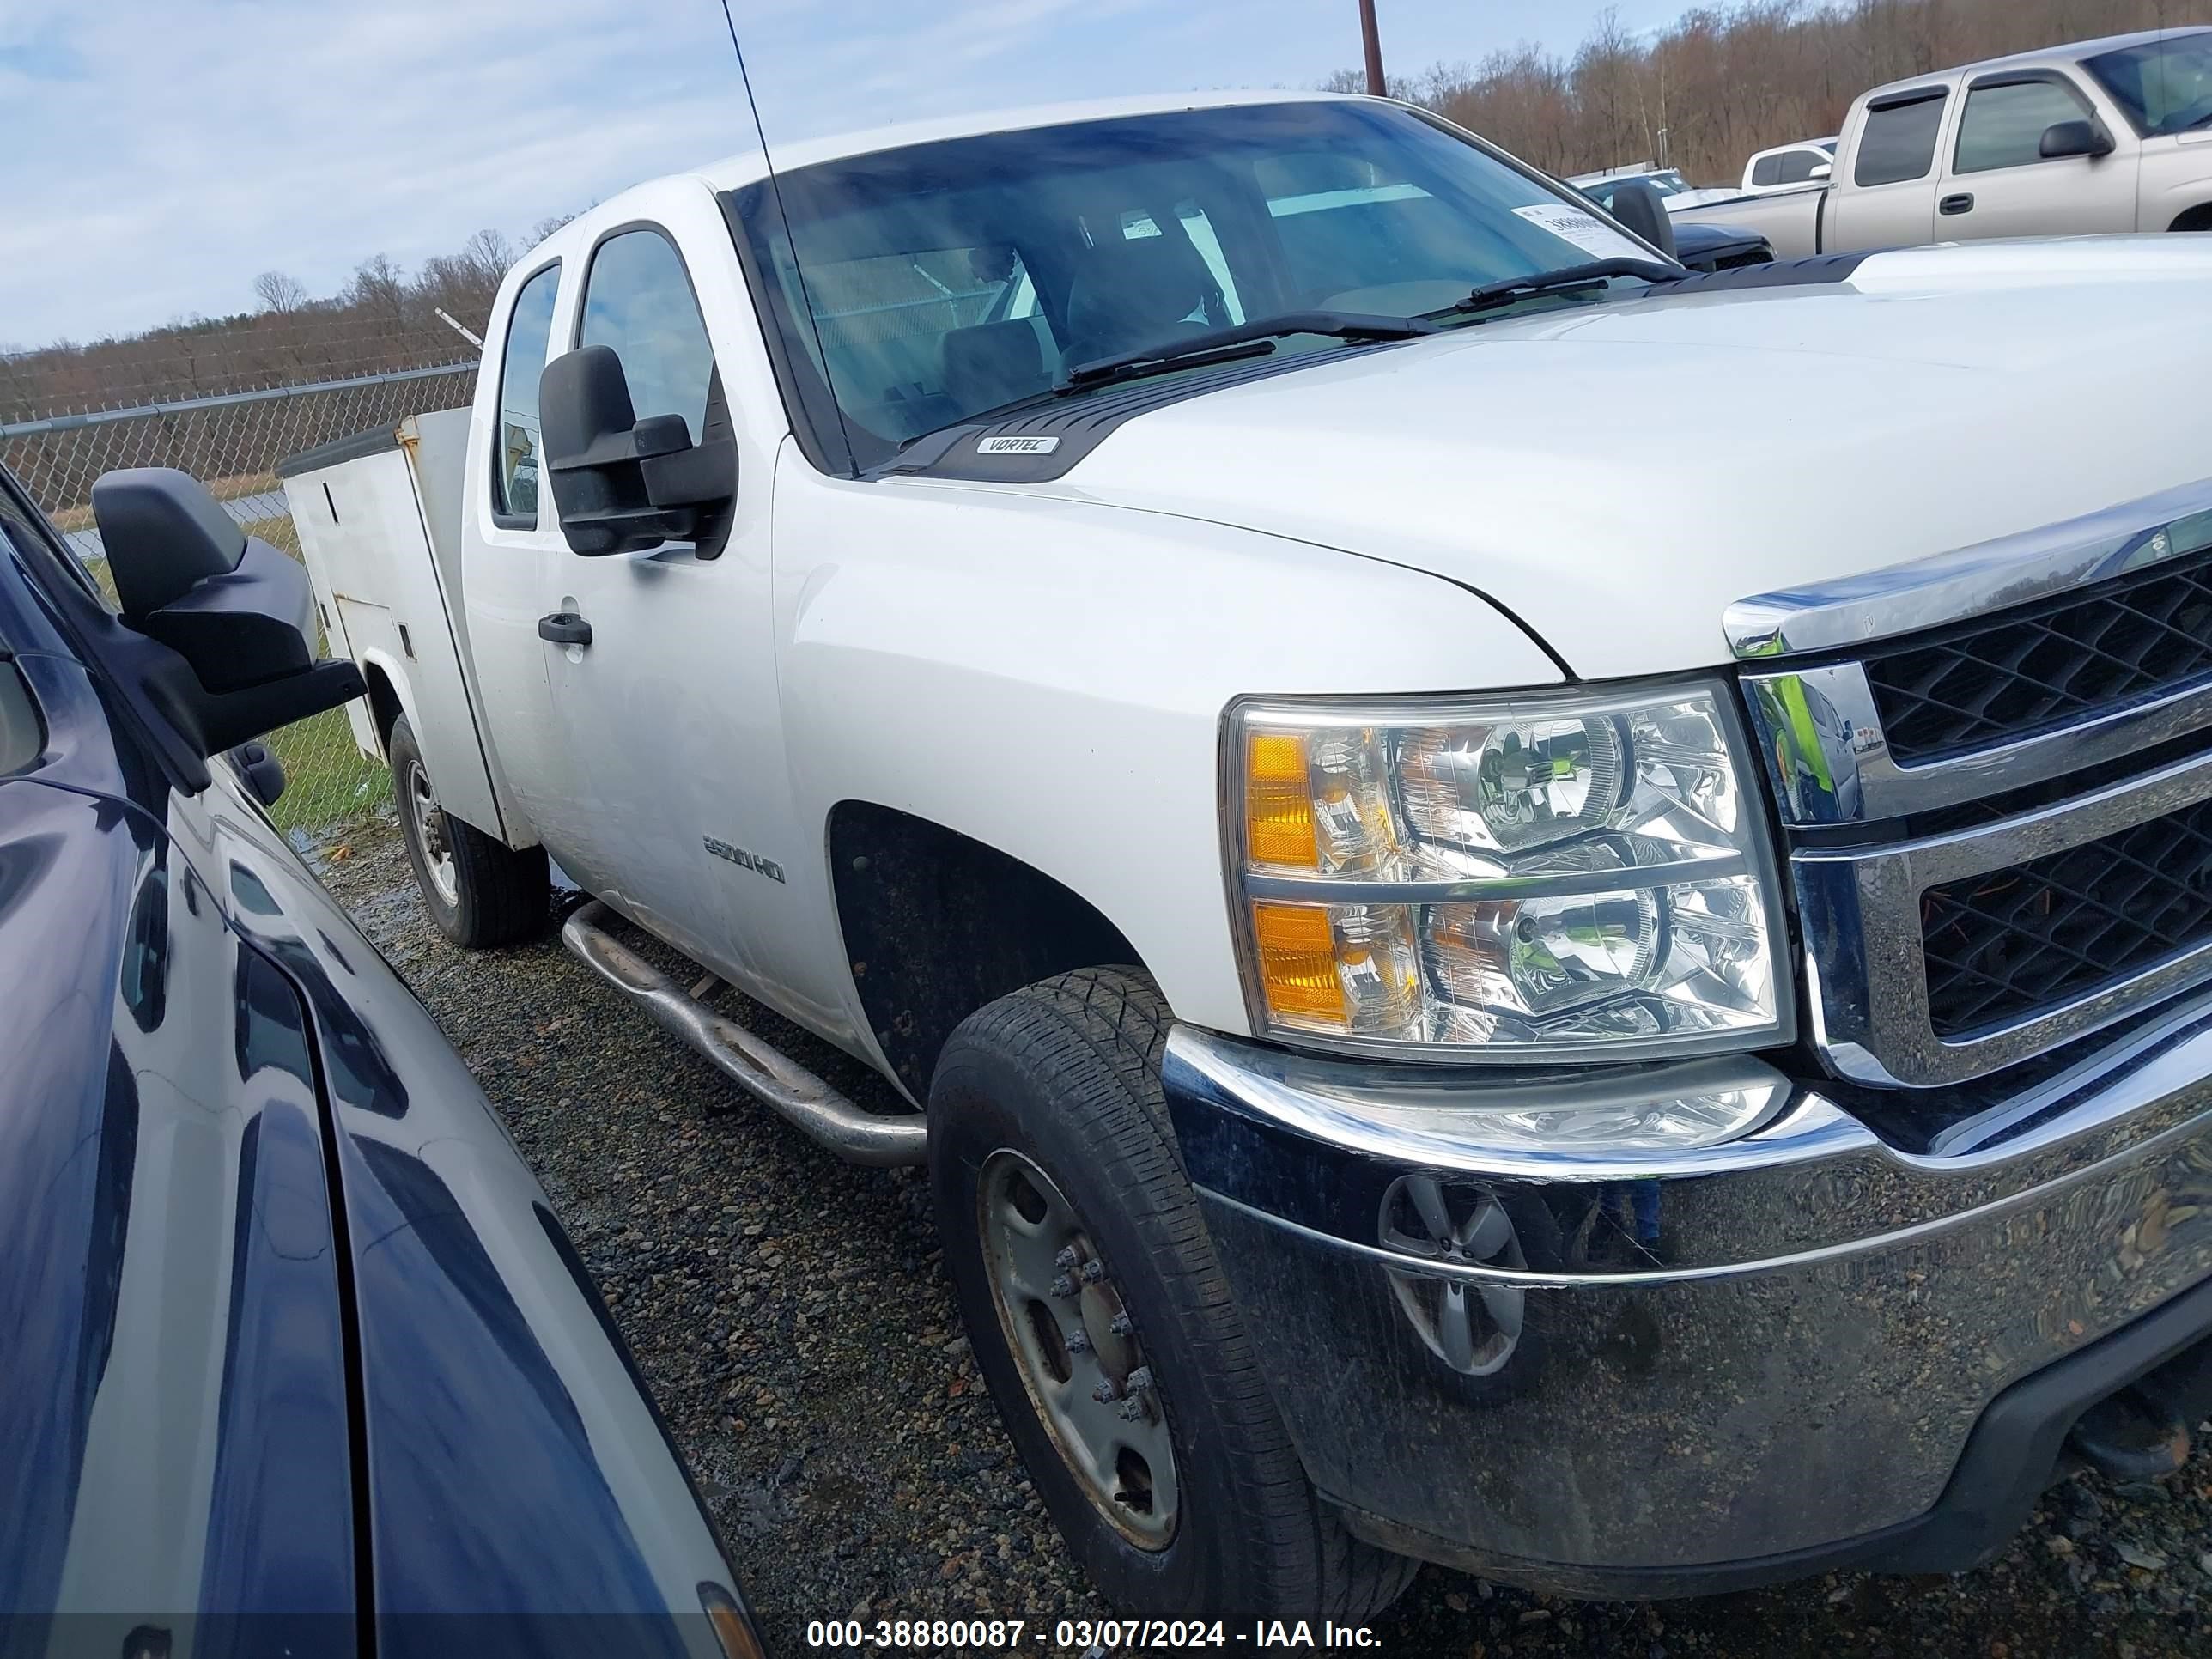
(778, 1082)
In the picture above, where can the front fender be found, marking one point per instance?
(1048, 677)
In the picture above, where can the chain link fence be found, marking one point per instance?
(232, 442)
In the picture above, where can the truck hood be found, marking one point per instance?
(1617, 475)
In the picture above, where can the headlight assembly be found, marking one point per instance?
(1524, 877)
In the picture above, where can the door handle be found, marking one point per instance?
(564, 627)
(1962, 202)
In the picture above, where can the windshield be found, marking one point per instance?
(1670, 183)
(942, 280)
(2164, 86)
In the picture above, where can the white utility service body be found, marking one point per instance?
(379, 517)
(1501, 874)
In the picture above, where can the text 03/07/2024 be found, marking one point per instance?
(1083, 1636)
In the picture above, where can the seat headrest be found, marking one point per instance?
(993, 363)
(1131, 293)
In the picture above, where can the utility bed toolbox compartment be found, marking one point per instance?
(383, 508)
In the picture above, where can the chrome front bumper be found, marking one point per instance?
(1802, 1347)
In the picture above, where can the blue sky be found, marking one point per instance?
(157, 154)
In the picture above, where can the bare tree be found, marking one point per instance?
(490, 252)
(279, 294)
(379, 289)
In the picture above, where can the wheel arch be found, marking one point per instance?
(936, 924)
(2194, 218)
(386, 702)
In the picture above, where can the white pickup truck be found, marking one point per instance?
(2099, 137)
(1453, 1008)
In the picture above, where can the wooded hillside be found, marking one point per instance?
(383, 318)
(1726, 81)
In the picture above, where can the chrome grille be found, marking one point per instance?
(1942, 944)
(2028, 670)
(2000, 946)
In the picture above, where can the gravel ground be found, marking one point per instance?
(792, 1318)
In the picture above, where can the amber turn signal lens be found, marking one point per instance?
(731, 1625)
(1297, 962)
(1278, 820)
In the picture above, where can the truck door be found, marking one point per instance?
(1996, 181)
(1889, 198)
(668, 716)
(508, 532)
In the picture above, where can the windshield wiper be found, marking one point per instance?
(1257, 337)
(1220, 345)
(1566, 279)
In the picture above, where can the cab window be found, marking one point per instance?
(2004, 122)
(638, 300)
(514, 462)
(1899, 140)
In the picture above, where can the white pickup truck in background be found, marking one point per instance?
(1455, 1007)
(2099, 137)
(1788, 166)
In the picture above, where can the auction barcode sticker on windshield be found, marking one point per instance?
(1585, 230)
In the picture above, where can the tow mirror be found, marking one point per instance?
(1636, 205)
(2064, 138)
(238, 613)
(624, 484)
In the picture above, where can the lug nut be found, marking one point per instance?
(1140, 1379)
(1123, 1325)
(1093, 1271)
(1133, 1411)
(1107, 1392)
(1065, 1260)
(1078, 1341)
(1062, 1285)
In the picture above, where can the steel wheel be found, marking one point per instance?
(1076, 1350)
(429, 822)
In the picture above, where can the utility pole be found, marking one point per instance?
(1377, 86)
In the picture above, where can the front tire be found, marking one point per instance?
(479, 891)
(1079, 1257)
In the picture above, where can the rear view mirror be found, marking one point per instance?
(2064, 138)
(622, 484)
(1638, 206)
(1822, 170)
(238, 613)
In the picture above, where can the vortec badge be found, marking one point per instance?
(1017, 446)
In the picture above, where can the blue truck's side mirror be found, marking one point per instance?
(240, 614)
(1639, 207)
